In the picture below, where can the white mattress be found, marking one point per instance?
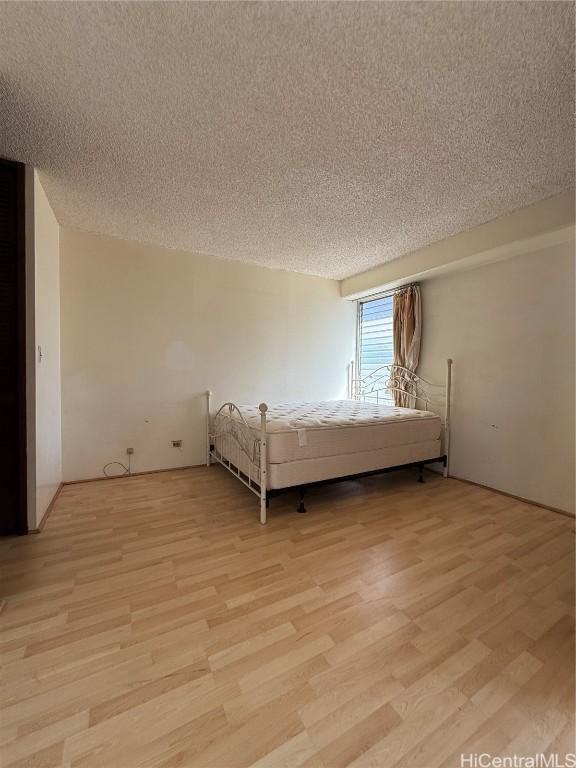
(311, 441)
(313, 430)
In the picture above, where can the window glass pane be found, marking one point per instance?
(375, 339)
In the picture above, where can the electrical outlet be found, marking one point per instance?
(176, 443)
(129, 451)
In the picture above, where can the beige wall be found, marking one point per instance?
(47, 370)
(146, 330)
(510, 328)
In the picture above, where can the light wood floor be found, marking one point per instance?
(154, 622)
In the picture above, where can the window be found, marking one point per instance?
(375, 339)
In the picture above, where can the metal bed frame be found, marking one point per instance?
(231, 441)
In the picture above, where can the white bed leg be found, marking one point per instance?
(447, 415)
(208, 396)
(263, 463)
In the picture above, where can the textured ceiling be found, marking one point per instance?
(317, 137)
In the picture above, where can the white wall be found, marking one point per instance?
(146, 330)
(47, 370)
(510, 328)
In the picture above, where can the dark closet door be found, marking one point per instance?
(13, 514)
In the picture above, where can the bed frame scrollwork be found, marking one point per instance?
(232, 443)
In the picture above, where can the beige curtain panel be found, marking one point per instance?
(407, 334)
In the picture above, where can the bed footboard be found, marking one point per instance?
(233, 444)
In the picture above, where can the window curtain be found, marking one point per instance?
(407, 333)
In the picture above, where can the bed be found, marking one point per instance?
(301, 444)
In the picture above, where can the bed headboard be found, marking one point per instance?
(386, 380)
(382, 383)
